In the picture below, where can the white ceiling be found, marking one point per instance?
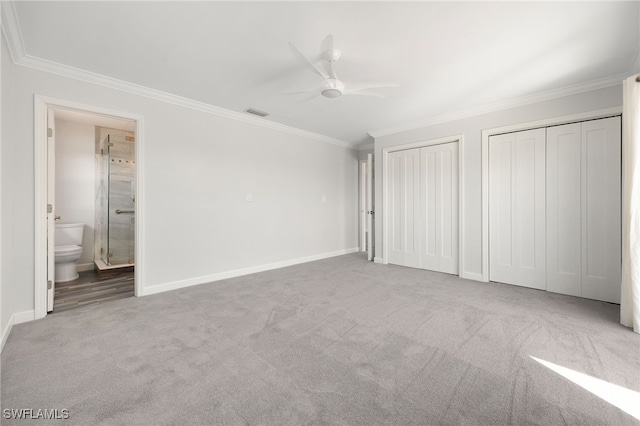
(447, 56)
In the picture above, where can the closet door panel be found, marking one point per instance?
(430, 194)
(404, 196)
(501, 203)
(601, 234)
(448, 207)
(530, 217)
(564, 209)
(439, 198)
(517, 252)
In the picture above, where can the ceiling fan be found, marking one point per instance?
(332, 87)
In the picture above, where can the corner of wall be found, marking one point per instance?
(635, 65)
(16, 318)
(5, 333)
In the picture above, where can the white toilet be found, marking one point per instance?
(68, 240)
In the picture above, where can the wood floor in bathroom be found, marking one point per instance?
(89, 289)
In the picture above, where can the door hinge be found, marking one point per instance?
(49, 132)
(49, 285)
(49, 208)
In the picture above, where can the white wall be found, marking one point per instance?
(198, 169)
(75, 180)
(471, 128)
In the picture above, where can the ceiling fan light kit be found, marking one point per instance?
(332, 88)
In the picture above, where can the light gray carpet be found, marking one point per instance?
(337, 341)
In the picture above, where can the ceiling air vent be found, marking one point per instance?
(256, 112)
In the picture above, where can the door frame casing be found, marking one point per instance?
(385, 195)
(555, 121)
(362, 201)
(41, 106)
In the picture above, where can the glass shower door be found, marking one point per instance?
(121, 201)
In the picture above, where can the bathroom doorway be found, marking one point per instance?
(89, 189)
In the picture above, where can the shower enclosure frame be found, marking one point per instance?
(115, 200)
(42, 105)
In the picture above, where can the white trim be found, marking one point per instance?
(472, 276)
(2, 329)
(461, 208)
(573, 118)
(11, 30)
(362, 204)
(461, 194)
(484, 203)
(174, 285)
(20, 57)
(16, 318)
(507, 104)
(379, 260)
(40, 209)
(6, 332)
(83, 267)
(24, 316)
(41, 104)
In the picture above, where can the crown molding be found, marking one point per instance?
(13, 36)
(507, 104)
(11, 30)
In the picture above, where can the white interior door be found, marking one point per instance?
(564, 268)
(369, 200)
(517, 252)
(439, 205)
(601, 224)
(51, 189)
(403, 189)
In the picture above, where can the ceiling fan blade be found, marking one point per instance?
(301, 92)
(370, 89)
(327, 43)
(330, 55)
(298, 54)
(309, 97)
(371, 85)
(364, 92)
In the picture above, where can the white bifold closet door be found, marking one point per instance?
(423, 207)
(404, 207)
(517, 208)
(583, 209)
(439, 198)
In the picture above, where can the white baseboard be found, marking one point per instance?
(471, 276)
(82, 267)
(16, 318)
(379, 260)
(174, 285)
